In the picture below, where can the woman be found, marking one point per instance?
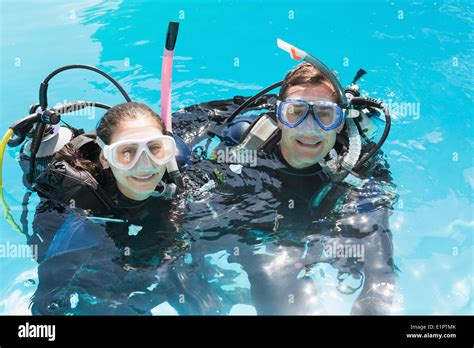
(129, 163)
(116, 177)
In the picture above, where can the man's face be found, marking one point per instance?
(307, 144)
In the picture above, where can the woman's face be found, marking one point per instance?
(139, 182)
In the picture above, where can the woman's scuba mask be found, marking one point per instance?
(125, 154)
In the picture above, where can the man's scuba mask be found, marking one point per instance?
(292, 113)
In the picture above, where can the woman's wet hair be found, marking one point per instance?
(305, 74)
(124, 112)
(105, 129)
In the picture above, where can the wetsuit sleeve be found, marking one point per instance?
(378, 267)
(46, 222)
(76, 272)
(371, 207)
(79, 282)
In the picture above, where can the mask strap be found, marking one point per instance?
(100, 142)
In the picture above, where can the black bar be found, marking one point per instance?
(291, 331)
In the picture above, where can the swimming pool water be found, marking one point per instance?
(419, 59)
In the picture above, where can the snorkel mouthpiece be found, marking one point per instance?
(166, 73)
(298, 54)
(171, 36)
(359, 74)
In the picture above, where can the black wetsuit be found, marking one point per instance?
(265, 217)
(270, 215)
(124, 266)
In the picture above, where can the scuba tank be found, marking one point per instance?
(54, 139)
(41, 127)
(40, 135)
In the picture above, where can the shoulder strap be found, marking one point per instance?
(83, 139)
(60, 176)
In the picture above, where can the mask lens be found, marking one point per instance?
(293, 112)
(126, 153)
(327, 114)
(161, 149)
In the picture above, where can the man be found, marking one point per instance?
(284, 220)
(303, 142)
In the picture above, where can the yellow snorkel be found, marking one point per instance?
(3, 145)
(6, 209)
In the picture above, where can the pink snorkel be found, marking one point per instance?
(166, 72)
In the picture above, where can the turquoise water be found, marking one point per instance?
(419, 58)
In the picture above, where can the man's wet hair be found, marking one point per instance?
(306, 74)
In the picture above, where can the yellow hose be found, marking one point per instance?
(3, 145)
(4, 204)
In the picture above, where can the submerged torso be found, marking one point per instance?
(287, 228)
(268, 218)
